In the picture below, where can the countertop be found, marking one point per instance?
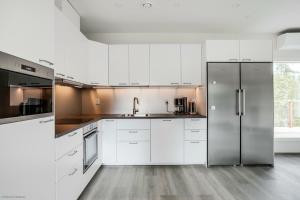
(62, 126)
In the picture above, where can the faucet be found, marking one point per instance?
(135, 103)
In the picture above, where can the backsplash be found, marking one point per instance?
(72, 101)
(151, 100)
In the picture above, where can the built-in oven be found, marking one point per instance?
(90, 145)
(26, 89)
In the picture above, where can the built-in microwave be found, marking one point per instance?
(26, 89)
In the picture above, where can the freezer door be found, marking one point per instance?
(257, 119)
(223, 119)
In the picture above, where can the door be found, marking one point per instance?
(256, 50)
(139, 64)
(165, 64)
(257, 113)
(98, 63)
(191, 64)
(166, 141)
(118, 65)
(223, 119)
(222, 50)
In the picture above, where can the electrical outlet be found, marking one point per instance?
(97, 101)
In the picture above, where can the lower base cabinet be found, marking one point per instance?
(195, 152)
(70, 174)
(134, 152)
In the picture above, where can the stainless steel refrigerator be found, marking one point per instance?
(240, 113)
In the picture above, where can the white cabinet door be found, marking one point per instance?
(27, 155)
(256, 51)
(139, 64)
(109, 141)
(70, 186)
(133, 152)
(165, 64)
(222, 50)
(118, 65)
(195, 152)
(191, 63)
(60, 45)
(98, 63)
(166, 141)
(27, 30)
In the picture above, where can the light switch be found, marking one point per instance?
(97, 101)
(213, 107)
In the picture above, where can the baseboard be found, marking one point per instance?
(286, 145)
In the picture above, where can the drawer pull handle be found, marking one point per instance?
(167, 120)
(109, 120)
(194, 142)
(75, 133)
(75, 170)
(195, 120)
(133, 132)
(46, 121)
(46, 61)
(72, 154)
(95, 83)
(195, 131)
(70, 77)
(59, 74)
(187, 83)
(133, 143)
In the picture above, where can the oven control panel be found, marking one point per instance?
(89, 127)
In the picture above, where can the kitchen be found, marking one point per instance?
(118, 109)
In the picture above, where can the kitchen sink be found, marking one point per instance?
(136, 115)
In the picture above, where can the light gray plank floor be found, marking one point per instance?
(197, 182)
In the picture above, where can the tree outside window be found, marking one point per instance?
(287, 94)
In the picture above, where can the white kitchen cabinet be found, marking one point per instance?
(167, 141)
(195, 123)
(98, 63)
(71, 50)
(195, 152)
(27, 153)
(67, 142)
(127, 124)
(70, 171)
(27, 30)
(222, 50)
(139, 62)
(256, 50)
(109, 141)
(191, 63)
(165, 68)
(133, 152)
(118, 65)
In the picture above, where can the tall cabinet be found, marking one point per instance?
(27, 30)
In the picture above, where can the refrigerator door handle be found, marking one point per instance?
(238, 102)
(244, 102)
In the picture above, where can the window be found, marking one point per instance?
(287, 98)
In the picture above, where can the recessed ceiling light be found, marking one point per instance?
(147, 5)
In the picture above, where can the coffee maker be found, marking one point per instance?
(181, 105)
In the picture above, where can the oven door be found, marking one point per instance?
(90, 149)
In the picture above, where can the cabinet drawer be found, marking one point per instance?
(133, 152)
(133, 124)
(69, 162)
(69, 187)
(195, 123)
(133, 135)
(195, 134)
(68, 142)
(195, 152)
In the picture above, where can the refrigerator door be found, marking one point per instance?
(223, 82)
(257, 119)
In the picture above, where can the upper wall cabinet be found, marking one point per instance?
(256, 50)
(71, 50)
(118, 65)
(27, 30)
(191, 64)
(165, 64)
(139, 62)
(239, 50)
(222, 50)
(98, 64)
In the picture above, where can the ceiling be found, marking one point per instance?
(188, 16)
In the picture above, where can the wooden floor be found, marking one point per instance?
(197, 182)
